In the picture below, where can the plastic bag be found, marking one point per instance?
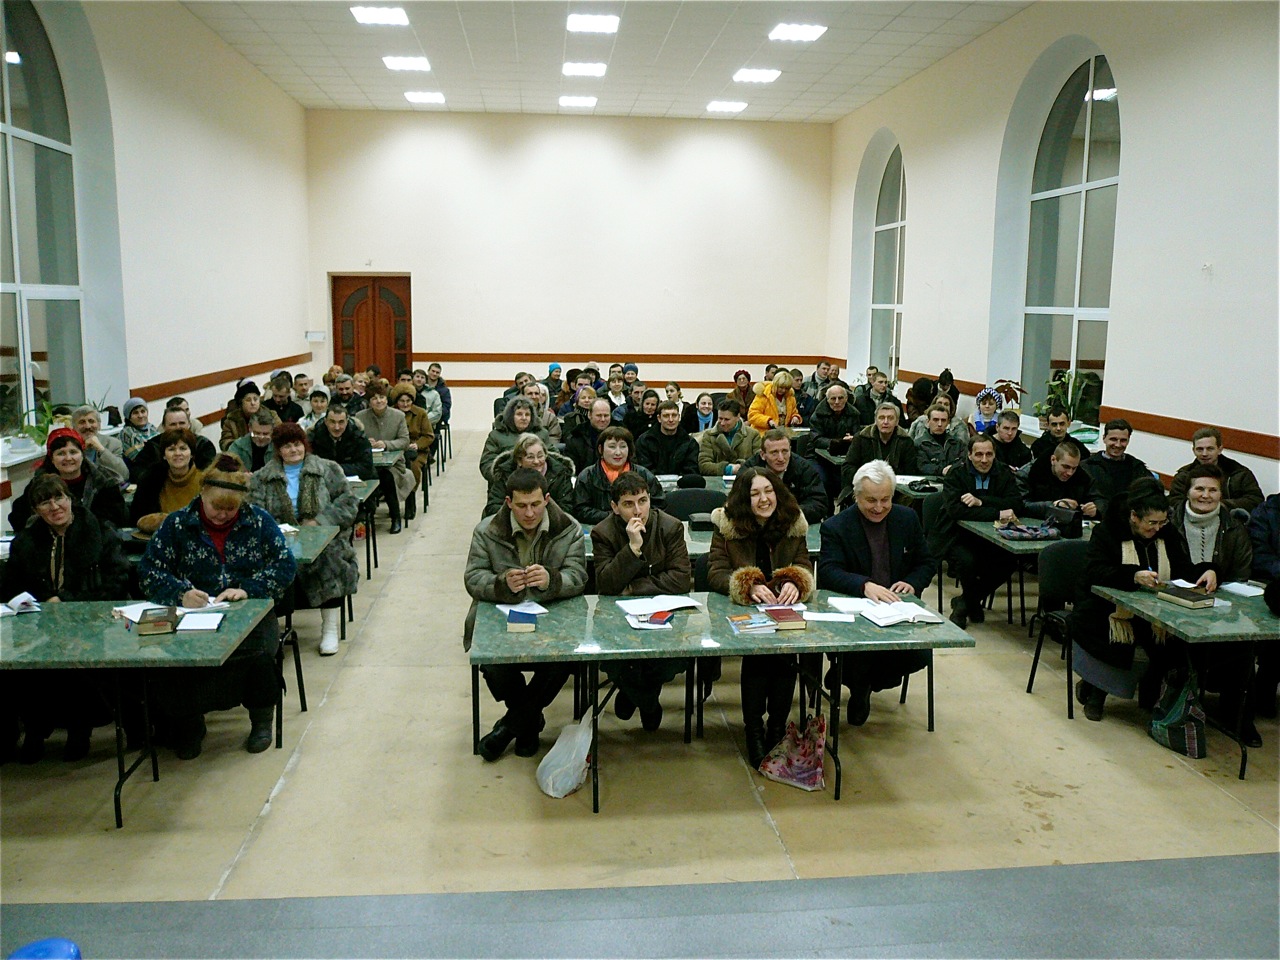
(1177, 721)
(564, 769)
(797, 760)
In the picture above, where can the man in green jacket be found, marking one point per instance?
(729, 444)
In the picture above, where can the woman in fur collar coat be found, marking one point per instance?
(759, 555)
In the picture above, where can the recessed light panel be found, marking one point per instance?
(799, 32)
(381, 16)
(749, 75)
(726, 106)
(406, 63)
(424, 96)
(589, 23)
(584, 69)
(577, 101)
(12, 56)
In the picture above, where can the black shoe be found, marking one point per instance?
(410, 507)
(527, 742)
(261, 733)
(495, 743)
(32, 748)
(651, 718)
(959, 613)
(77, 747)
(396, 526)
(1091, 698)
(976, 611)
(623, 708)
(756, 750)
(859, 704)
(189, 749)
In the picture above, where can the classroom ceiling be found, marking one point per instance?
(668, 59)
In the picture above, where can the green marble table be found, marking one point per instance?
(1247, 620)
(366, 491)
(593, 630)
(903, 492)
(387, 458)
(835, 459)
(87, 636)
(1020, 549)
(309, 542)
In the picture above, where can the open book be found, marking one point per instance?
(22, 603)
(887, 614)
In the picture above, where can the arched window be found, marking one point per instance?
(886, 267)
(1073, 218)
(40, 297)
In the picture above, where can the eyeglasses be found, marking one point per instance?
(55, 501)
(1155, 524)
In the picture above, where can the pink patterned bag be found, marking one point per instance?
(797, 760)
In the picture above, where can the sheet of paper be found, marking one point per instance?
(288, 528)
(850, 604)
(527, 606)
(587, 648)
(638, 624)
(1242, 589)
(709, 644)
(780, 606)
(207, 608)
(354, 480)
(640, 606)
(200, 621)
(831, 617)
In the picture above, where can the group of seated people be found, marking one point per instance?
(607, 477)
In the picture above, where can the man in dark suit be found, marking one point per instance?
(877, 551)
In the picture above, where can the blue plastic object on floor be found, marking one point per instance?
(51, 948)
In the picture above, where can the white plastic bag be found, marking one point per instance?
(564, 769)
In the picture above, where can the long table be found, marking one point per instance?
(366, 491)
(67, 636)
(1247, 620)
(591, 630)
(699, 541)
(1020, 550)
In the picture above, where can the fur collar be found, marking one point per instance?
(731, 531)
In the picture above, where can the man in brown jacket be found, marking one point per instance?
(639, 552)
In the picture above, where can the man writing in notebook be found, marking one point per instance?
(876, 551)
(639, 551)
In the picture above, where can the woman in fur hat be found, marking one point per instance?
(235, 423)
(759, 555)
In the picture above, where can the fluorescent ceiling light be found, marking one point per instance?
(577, 101)
(406, 63)
(1102, 93)
(750, 75)
(12, 56)
(590, 23)
(381, 16)
(801, 32)
(584, 69)
(726, 106)
(424, 96)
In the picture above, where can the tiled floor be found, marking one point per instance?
(376, 790)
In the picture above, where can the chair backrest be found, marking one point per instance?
(682, 503)
(1061, 571)
(930, 512)
(719, 395)
(701, 572)
(499, 405)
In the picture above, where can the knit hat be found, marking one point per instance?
(400, 389)
(319, 388)
(132, 404)
(553, 367)
(987, 393)
(60, 434)
(630, 368)
(246, 387)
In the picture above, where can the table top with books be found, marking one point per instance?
(601, 628)
(387, 458)
(1238, 613)
(94, 634)
(986, 529)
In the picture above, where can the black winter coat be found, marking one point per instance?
(94, 564)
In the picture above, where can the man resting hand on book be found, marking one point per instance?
(877, 551)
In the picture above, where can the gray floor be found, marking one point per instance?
(1206, 907)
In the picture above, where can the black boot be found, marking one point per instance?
(188, 736)
(754, 699)
(77, 747)
(393, 508)
(495, 742)
(527, 742)
(1091, 698)
(410, 507)
(261, 730)
(756, 750)
(781, 698)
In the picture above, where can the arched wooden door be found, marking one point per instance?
(372, 323)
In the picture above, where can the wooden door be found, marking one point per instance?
(372, 323)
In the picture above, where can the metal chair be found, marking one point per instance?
(682, 503)
(1061, 573)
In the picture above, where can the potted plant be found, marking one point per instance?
(1010, 393)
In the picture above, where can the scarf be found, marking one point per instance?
(1120, 628)
(57, 563)
(217, 531)
(612, 475)
(1201, 530)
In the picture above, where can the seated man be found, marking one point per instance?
(152, 452)
(726, 446)
(281, 402)
(975, 492)
(834, 421)
(639, 552)
(529, 550)
(877, 393)
(877, 551)
(817, 381)
(1048, 441)
(1240, 490)
(1111, 469)
(522, 380)
(883, 440)
(435, 381)
(339, 438)
(1057, 481)
(667, 448)
(254, 448)
(938, 449)
(580, 444)
(102, 451)
(302, 384)
(799, 475)
(344, 392)
(1010, 448)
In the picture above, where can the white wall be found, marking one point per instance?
(210, 167)
(1194, 292)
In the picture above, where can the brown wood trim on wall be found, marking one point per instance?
(171, 388)
(685, 385)
(658, 358)
(1236, 441)
(968, 387)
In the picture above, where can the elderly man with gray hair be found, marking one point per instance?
(877, 551)
(102, 451)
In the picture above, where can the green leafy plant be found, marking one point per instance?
(1076, 392)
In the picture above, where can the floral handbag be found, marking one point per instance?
(797, 760)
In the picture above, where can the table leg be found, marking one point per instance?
(148, 750)
(372, 532)
(1244, 703)
(689, 683)
(367, 514)
(475, 710)
(593, 692)
(697, 670)
(1022, 597)
(833, 728)
(930, 685)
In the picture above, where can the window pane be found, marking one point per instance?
(6, 242)
(45, 207)
(11, 405)
(882, 339)
(902, 258)
(35, 87)
(887, 205)
(1099, 240)
(1046, 349)
(1091, 355)
(1104, 125)
(1051, 254)
(1060, 160)
(56, 354)
(884, 268)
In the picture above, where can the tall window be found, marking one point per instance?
(886, 267)
(1073, 219)
(40, 342)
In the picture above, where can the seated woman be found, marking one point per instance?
(638, 421)
(168, 485)
(543, 415)
(300, 488)
(388, 430)
(675, 395)
(580, 413)
(421, 436)
(246, 402)
(532, 453)
(1132, 548)
(699, 416)
(318, 402)
(615, 453)
(137, 429)
(64, 554)
(219, 548)
(94, 489)
(759, 555)
(742, 391)
(775, 405)
(516, 418)
(987, 413)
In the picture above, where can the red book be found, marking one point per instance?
(786, 618)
